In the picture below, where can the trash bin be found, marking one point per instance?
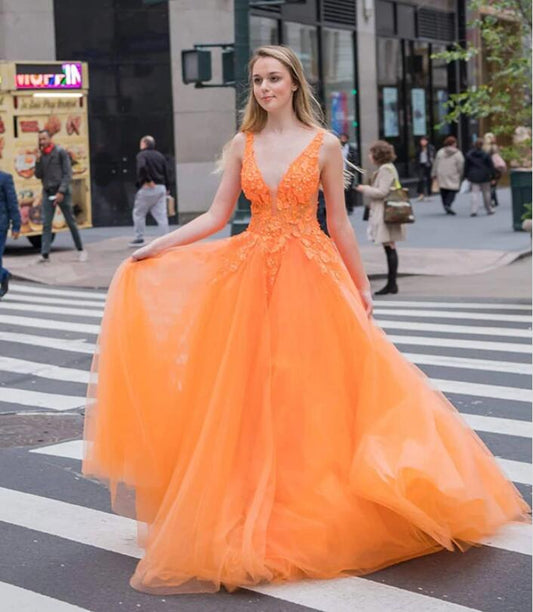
(520, 195)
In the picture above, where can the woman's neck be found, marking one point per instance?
(284, 120)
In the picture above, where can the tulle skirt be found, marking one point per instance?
(261, 428)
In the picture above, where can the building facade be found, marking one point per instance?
(369, 61)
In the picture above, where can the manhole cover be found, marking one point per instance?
(32, 429)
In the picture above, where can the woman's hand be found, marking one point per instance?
(144, 253)
(361, 188)
(366, 296)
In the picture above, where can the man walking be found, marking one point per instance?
(9, 215)
(153, 185)
(54, 169)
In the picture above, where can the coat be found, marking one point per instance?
(448, 168)
(479, 167)
(9, 208)
(378, 230)
(430, 152)
(55, 170)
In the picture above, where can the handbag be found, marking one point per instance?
(465, 186)
(398, 208)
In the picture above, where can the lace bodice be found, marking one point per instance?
(287, 213)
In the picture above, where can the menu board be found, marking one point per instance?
(66, 120)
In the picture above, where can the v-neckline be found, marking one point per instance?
(274, 192)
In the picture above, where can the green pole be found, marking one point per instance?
(241, 57)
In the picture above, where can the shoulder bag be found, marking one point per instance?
(398, 208)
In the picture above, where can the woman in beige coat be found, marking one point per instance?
(448, 170)
(382, 155)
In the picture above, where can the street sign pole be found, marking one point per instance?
(241, 57)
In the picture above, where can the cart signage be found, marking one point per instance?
(48, 76)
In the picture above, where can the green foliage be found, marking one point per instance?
(505, 29)
(527, 214)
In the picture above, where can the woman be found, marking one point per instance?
(425, 156)
(490, 146)
(479, 170)
(382, 154)
(244, 465)
(448, 170)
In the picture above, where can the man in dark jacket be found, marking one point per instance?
(153, 185)
(54, 169)
(9, 215)
(479, 170)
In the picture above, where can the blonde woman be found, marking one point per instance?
(248, 401)
(382, 155)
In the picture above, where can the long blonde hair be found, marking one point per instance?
(305, 105)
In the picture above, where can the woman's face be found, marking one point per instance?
(272, 84)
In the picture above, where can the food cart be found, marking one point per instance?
(51, 96)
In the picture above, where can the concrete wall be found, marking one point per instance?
(204, 119)
(27, 30)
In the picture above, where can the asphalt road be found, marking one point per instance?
(61, 548)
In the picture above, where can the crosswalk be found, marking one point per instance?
(68, 551)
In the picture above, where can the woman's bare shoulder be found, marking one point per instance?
(330, 142)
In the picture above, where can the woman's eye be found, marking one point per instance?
(274, 78)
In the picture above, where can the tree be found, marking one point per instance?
(504, 96)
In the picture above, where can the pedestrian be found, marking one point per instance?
(349, 155)
(490, 146)
(261, 423)
(153, 186)
(54, 169)
(388, 234)
(479, 170)
(425, 156)
(9, 216)
(448, 170)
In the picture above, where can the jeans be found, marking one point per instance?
(151, 200)
(48, 214)
(3, 238)
(448, 196)
(477, 189)
(424, 180)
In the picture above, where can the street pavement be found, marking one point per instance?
(62, 549)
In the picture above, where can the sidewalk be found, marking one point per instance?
(437, 245)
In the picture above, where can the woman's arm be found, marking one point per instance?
(381, 187)
(339, 226)
(218, 214)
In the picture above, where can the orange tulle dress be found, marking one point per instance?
(260, 427)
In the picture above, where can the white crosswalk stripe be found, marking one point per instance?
(44, 369)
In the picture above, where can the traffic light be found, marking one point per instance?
(196, 66)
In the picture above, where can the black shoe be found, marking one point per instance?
(4, 285)
(387, 289)
(473, 214)
(449, 211)
(136, 242)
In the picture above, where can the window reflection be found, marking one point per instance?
(263, 31)
(339, 79)
(303, 41)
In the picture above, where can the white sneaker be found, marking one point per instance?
(43, 260)
(83, 256)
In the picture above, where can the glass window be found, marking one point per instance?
(303, 41)
(390, 96)
(439, 77)
(339, 79)
(263, 31)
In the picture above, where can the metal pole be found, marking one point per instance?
(241, 57)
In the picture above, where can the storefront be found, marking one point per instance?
(412, 87)
(48, 96)
(323, 34)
